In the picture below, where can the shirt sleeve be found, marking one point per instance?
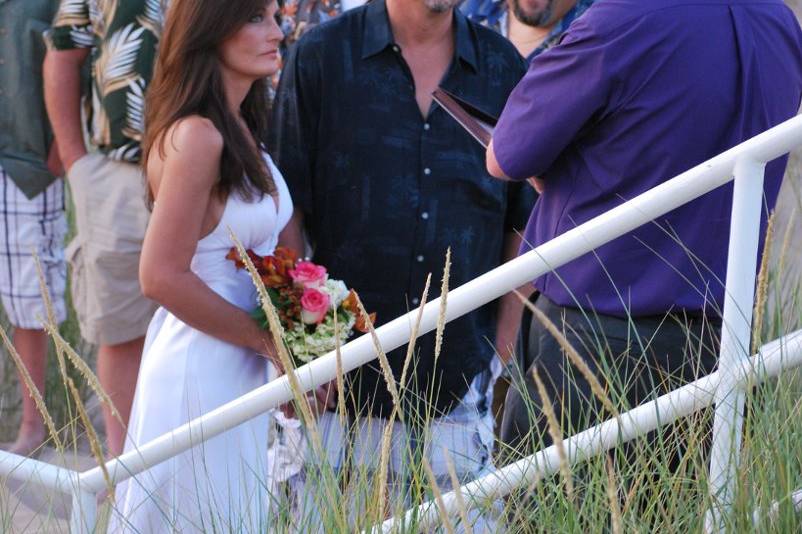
(72, 27)
(294, 124)
(521, 196)
(562, 91)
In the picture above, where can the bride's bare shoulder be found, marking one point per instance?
(190, 150)
(196, 134)
(190, 136)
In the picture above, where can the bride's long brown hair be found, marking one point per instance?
(187, 81)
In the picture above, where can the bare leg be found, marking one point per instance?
(32, 348)
(117, 368)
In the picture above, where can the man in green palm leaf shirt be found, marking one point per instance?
(121, 36)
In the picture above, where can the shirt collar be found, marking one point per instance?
(487, 12)
(378, 35)
(561, 27)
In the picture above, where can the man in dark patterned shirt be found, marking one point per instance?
(105, 179)
(385, 182)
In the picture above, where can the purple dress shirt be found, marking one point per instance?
(637, 92)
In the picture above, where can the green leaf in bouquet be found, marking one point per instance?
(259, 316)
(343, 315)
(274, 295)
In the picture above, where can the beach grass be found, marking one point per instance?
(632, 488)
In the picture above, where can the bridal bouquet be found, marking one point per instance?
(307, 301)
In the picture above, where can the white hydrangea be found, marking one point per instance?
(337, 292)
(306, 347)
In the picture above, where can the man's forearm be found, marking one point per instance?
(62, 83)
(292, 236)
(493, 166)
(510, 307)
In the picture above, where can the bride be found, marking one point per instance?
(207, 172)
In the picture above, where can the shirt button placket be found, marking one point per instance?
(424, 215)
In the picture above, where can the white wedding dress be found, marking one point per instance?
(218, 485)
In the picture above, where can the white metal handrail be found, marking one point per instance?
(781, 354)
(49, 475)
(584, 238)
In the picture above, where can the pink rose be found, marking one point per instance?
(314, 305)
(308, 275)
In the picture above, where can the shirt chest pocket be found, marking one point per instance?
(480, 193)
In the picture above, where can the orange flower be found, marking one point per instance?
(274, 272)
(287, 255)
(361, 324)
(349, 303)
(233, 255)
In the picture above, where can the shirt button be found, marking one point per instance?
(416, 301)
(419, 259)
(396, 49)
(424, 215)
(426, 126)
(427, 171)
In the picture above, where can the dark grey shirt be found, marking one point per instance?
(25, 135)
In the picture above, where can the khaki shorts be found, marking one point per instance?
(111, 217)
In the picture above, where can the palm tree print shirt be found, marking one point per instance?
(123, 36)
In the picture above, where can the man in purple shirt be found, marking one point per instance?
(637, 92)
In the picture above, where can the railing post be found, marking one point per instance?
(83, 517)
(736, 332)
